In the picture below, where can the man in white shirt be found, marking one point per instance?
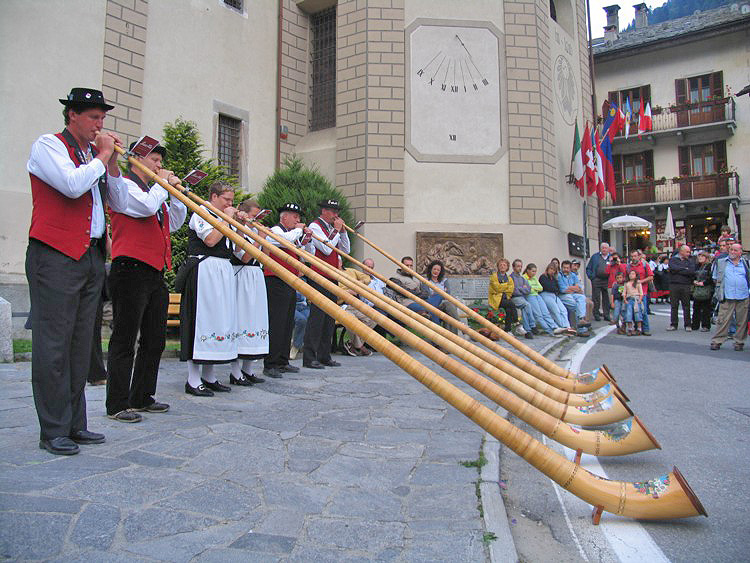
(73, 174)
(141, 253)
(316, 352)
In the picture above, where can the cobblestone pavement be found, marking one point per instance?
(355, 463)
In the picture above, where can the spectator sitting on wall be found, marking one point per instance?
(571, 294)
(501, 292)
(521, 290)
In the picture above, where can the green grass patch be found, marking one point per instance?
(21, 345)
(488, 537)
(478, 463)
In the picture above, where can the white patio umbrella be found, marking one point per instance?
(669, 228)
(732, 222)
(626, 223)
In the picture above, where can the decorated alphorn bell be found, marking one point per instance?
(627, 437)
(668, 496)
(473, 355)
(529, 352)
(558, 387)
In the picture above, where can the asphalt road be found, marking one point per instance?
(696, 402)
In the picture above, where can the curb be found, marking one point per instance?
(503, 548)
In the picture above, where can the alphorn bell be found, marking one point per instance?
(668, 496)
(546, 363)
(629, 437)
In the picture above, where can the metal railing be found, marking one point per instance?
(683, 188)
(686, 115)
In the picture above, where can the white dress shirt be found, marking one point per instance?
(145, 204)
(292, 235)
(51, 163)
(340, 239)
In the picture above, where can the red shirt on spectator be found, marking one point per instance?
(643, 270)
(613, 270)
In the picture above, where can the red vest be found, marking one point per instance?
(142, 238)
(58, 221)
(333, 258)
(269, 272)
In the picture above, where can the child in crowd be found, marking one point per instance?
(633, 297)
(616, 302)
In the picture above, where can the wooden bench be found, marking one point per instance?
(173, 310)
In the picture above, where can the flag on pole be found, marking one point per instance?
(588, 160)
(600, 186)
(628, 115)
(577, 166)
(609, 166)
(648, 124)
(641, 122)
(613, 121)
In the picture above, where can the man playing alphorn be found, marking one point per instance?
(141, 252)
(73, 174)
(281, 297)
(316, 353)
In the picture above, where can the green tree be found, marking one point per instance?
(295, 182)
(184, 154)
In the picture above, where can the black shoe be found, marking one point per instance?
(242, 381)
(288, 368)
(584, 324)
(331, 364)
(217, 386)
(597, 317)
(154, 407)
(86, 437)
(199, 391)
(528, 336)
(252, 378)
(315, 364)
(607, 318)
(62, 445)
(272, 372)
(127, 415)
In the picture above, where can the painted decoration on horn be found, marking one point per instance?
(597, 407)
(619, 431)
(589, 376)
(653, 487)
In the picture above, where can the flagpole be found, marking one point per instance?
(594, 120)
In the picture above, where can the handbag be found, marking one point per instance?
(701, 292)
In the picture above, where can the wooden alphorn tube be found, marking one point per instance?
(668, 496)
(540, 412)
(546, 363)
(555, 387)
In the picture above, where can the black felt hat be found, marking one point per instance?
(86, 97)
(330, 204)
(157, 149)
(290, 207)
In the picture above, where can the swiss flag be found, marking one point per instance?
(600, 182)
(588, 161)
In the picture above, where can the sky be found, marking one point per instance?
(627, 13)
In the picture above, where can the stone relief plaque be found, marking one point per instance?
(469, 259)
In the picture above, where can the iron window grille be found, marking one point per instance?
(228, 149)
(235, 4)
(323, 66)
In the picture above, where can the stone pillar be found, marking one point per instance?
(124, 52)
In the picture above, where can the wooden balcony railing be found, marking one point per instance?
(685, 115)
(676, 189)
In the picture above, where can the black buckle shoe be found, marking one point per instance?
(288, 368)
(252, 378)
(242, 381)
(199, 391)
(86, 437)
(315, 364)
(217, 386)
(61, 445)
(272, 372)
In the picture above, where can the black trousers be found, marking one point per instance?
(139, 305)
(319, 331)
(64, 296)
(281, 301)
(97, 372)
(511, 312)
(702, 314)
(600, 297)
(679, 293)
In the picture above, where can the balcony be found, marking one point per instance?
(713, 117)
(682, 189)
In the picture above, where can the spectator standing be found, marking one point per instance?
(617, 302)
(639, 266)
(732, 279)
(681, 276)
(501, 291)
(615, 266)
(633, 297)
(702, 291)
(661, 273)
(596, 271)
(521, 290)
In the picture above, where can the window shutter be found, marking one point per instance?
(683, 154)
(717, 84)
(679, 91)
(645, 95)
(617, 165)
(720, 152)
(648, 164)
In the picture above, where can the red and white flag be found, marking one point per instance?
(588, 161)
(645, 123)
(601, 188)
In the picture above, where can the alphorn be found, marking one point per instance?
(560, 389)
(664, 497)
(546, 363)
(593, 415)
(627, 437)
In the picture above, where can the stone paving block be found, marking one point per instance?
(96, 527)
(308, 553)
(447, 546)
(378, 451)
(32, 536)
(348, 471)
(98, 556)
(281, 521)
(363, 535)
(217, 498)
(444, 473)
(305, 447)
(267, 543)
(356, 503)
(390, 435)
(225, 554)
(56, 471)
(443, 502)
(150, 460)
(28, 503)
(157, 522)
(304, 496)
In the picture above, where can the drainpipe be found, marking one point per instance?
(278, 86)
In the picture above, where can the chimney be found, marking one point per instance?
(641, 15)
(612, 29)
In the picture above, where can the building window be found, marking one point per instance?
(633, 168)
(699, 88)
(641, 94)
(702, 160)
(235, 4)
(228, 148)
(323, 67)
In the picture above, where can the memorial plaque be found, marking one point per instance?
(463, 254)
(470, 288)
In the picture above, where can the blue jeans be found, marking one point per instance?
(575, 302)
(556, 308)
(435, 300)
(527, 315)
(300, 322)
(541, 313)
(619, 306)
(634, 310)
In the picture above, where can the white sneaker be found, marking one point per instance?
(560, 330)
(519, 331)
(293, 351)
